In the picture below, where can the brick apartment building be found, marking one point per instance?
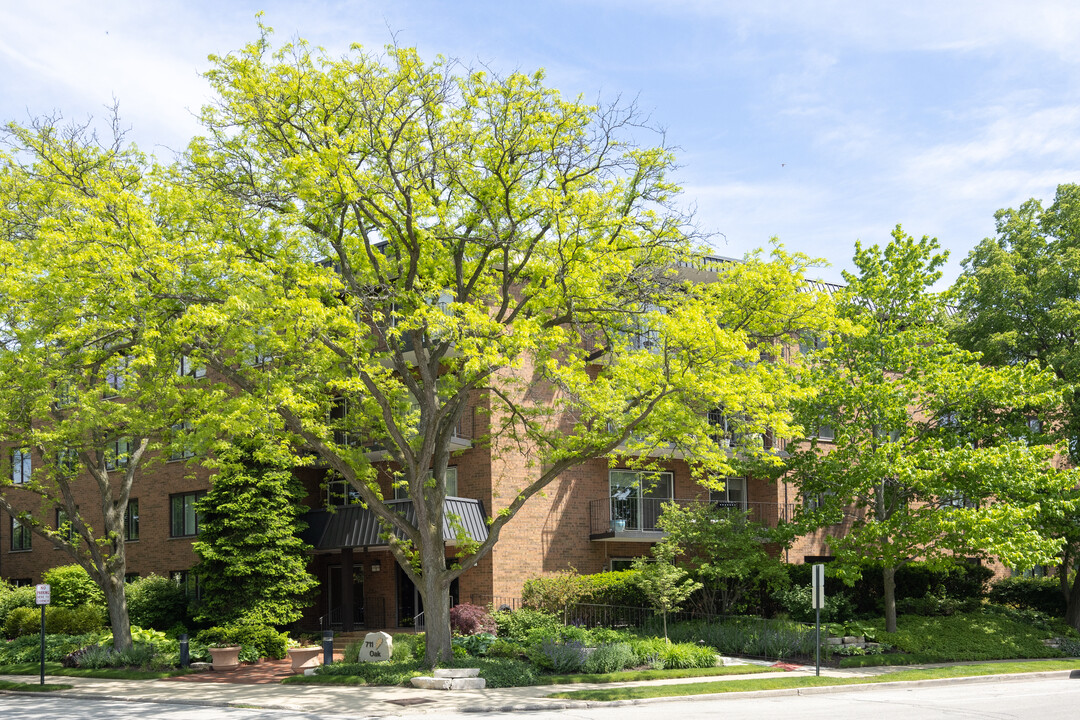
(594, 517)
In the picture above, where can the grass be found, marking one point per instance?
(27, 687)
(55, 668)
(635, 675)
(324, 680)
(637, 693)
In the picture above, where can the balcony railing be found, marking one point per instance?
(637, 518)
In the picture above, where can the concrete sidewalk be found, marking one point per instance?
(382, 700)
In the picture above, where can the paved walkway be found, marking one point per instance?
(385, 701)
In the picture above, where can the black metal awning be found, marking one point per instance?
(354, 526)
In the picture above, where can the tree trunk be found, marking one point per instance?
(113, 585)
(1072, 601)
(889, 577)
(434, 589)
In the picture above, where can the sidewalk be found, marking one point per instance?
(380, 700)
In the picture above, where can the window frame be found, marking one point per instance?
(22, 465)
(131, 520)
(195, 496)
(639, 515)
(714, 495)
(22, 533)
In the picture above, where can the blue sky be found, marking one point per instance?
(816, 122)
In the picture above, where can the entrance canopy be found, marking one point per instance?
(354, 526)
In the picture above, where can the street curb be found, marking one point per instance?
(161, 701)
(825, 689)
(540, 706)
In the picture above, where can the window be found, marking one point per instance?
(637, 496)
(131, 577)
(20, 535)
(825, 432)
(187, 580)
(401, 489)
(63, 525)
(190, 368)
(115, 376)
(618, 564)
(340, 493)
(20, 582)
(724, 434)
(20, 466)
(339, 414)
(181, 440)
(733, 494)
(67, 461)
(816, 501)
(184, 519)
(117, 454)
(131, 520)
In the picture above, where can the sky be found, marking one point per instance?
(819, 123)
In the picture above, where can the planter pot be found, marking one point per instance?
(304, 658)
(225, 658)
(618, 525)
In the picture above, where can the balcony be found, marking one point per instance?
(460, 439)
(636, 519)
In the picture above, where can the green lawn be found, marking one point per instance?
(637, 693)
(27, 687)
(55, 668)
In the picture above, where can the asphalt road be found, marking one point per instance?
(1034, 699)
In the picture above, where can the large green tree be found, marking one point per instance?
(408, 249)
(89, 382)
(252, 563)
(930, 456)
(1018, 303)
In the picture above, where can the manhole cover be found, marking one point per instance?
(409, 701)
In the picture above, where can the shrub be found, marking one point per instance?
(262, 639)
(14, 597)
(554, 592)
(139, 655)
(156, 602)
(475, 645)
(560, 658)
(27, 649)
(517, 625)
(1042, 594)
(688, 655)
(71, 586)
(646, 649)
(469, 619)
(58, 621)
(610, 658)
(376, 673)
(797, 601)
(754, 637)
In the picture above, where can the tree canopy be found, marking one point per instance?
(932, 455)
(89, 381)
(1018, 303)
(412, 254)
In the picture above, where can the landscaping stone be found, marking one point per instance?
(457, 672)
(430, 683)
(468, 683)
(853, 639)
(377, 647)
(200, 666)
(834, 641)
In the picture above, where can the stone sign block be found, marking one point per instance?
(377, 647)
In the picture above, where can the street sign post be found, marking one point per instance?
(818, 575)
(43, 595)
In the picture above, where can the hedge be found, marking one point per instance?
(1042, 594)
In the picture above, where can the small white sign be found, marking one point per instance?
(377, 647)
(44, 593)
(818, 575)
